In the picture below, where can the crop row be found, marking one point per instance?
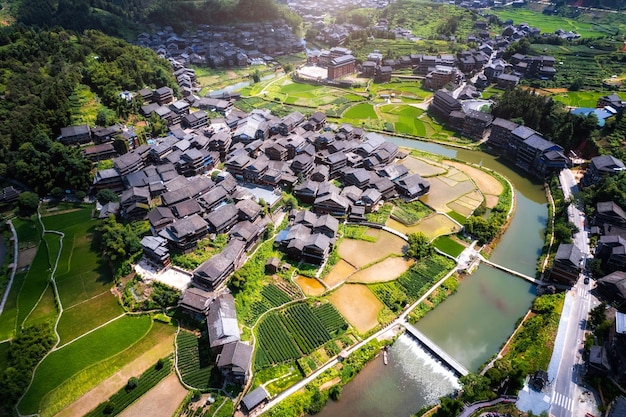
(418, 279)
(275, 344)
(330, 318)
(304, 326)
(274, 295)
(189, 361)
(391, 294)
(127, 395)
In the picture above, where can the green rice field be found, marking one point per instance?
(549, 24)
(99, 345)
(448, 245)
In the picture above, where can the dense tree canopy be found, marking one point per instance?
(546, 116)
(41, 71)
(118, 17)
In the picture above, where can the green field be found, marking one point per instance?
(82, 382)
(448, 245)
(82, 277)
(580, 98)
(361, 111)
(34, 284)
(65, 362)
(549, 24)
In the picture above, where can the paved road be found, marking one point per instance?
(567, 385)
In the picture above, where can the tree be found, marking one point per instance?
(106, 196)
(132, 383)
(419, 246)
(449, 408)
(335, 392)
(27, 203)
(476, 388)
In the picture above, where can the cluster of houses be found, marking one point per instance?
(341, 171)
(224, 45)
(485, 59)
(528, 149)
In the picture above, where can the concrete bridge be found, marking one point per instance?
(510, 271)
(449, 361)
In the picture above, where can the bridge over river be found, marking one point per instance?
(448, 360)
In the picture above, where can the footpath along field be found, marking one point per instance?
(96, 337)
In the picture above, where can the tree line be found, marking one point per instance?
(120, 17)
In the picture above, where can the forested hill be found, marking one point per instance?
(124, 17)
(40, 71)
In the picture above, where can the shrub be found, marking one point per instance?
(132, 383)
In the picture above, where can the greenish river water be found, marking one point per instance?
(470, 325)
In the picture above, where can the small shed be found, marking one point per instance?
(255, 398)
(272, 266)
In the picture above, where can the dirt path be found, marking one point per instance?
(160, 401)
(110, 386)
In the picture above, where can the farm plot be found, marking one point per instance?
(360, 253)
(305, 328)
(271, 296)
(358, 305)
(93, 385)
(330, 318)
(417, 280)
(387, 270)
(160, 401)
(449, 245)
(444, 190)
(549, 24)
(310, 286)
(488, 185)
(468, 203)
(195, 368)
(404, 118)
(424, 168)
(361, 111)
(433, 226)
(124, 397)
(339, 273)
(275, 345)
(63, 363)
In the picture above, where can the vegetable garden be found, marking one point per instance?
(295, 331)
(413, 283)
(194, 364)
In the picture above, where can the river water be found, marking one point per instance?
(470, 325)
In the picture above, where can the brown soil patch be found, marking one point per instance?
(25, 257)
(160, 401)
(339, 273)
(360, 253)
(491, 201)
(310, 286)
(443, 192)
(425, 169)
(387, 270)
(110, 386)
(358, 305)
(330, 383)
(432, 226)
(485, 182)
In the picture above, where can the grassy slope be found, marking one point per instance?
(83, 279)
(63, 363)
(89, 377)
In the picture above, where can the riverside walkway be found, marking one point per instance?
(436, 350)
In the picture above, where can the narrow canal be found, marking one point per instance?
(470, 325)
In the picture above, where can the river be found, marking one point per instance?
(470, 325)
